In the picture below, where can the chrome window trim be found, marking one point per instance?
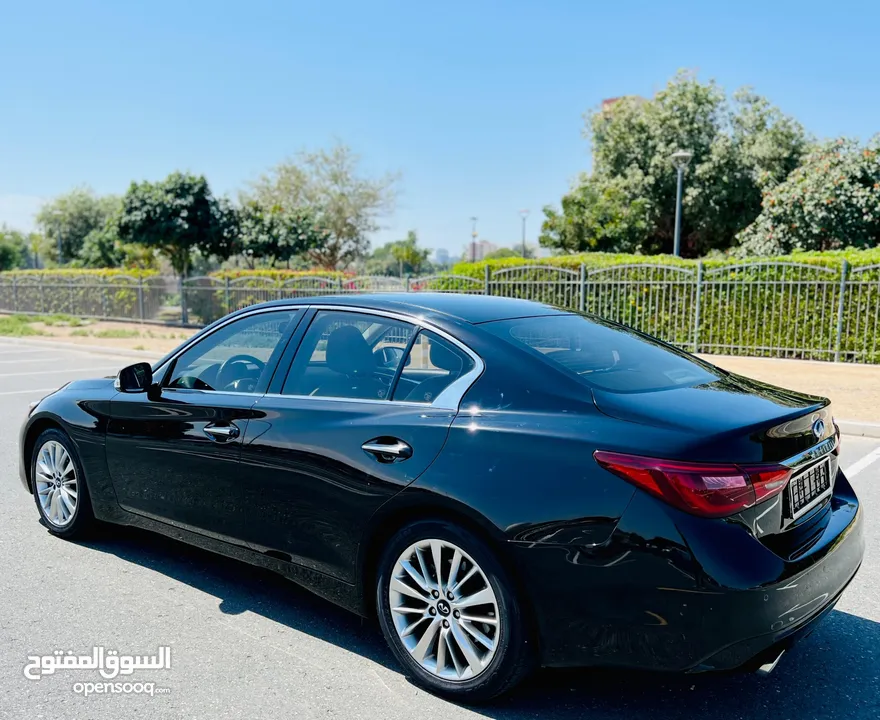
(449, 399)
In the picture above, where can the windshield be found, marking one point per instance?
(604, 356)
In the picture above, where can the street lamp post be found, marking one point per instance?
(474, 239)
(681, 158)
(524, 214)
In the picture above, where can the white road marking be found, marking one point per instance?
(862, 464)
(11, 351)
(61, 372)
(34, 390)
(29, 360)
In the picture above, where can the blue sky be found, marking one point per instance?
(478, 104)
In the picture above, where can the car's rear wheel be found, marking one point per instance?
(59, 485)
(449, 613)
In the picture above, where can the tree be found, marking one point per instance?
(178, 216)
(400, 257)
(627, 204)
(276, 233)
(13, 249)
(832, 201)
(72, 217)
(347, 203)
(408, 253)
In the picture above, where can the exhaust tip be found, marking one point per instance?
(769, 666)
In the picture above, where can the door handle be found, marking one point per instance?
(388, 452)
(222, 433)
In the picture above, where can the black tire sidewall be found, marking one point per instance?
(82, 514)
(512, 657)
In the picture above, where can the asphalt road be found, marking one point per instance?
(247, 644)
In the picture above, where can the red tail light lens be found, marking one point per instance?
(709, 490)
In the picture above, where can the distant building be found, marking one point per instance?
(441, 257)
(477, 251)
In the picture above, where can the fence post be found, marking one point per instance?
(104, 297)
(227, 296)
(184, 318)
(42, 295)
(14, 294)
(141, 312)
(840, 307)
(697, 303)
(70, 296)
(582, 283)
(406, 280)
(487, 290)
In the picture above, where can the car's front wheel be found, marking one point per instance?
(449, 613)
(59, 485)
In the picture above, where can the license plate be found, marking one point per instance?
(808, 488)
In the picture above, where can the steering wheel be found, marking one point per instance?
(226, 369)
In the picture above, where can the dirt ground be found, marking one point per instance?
(854, 390)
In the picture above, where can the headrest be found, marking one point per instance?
(348, 353)
(444, 358)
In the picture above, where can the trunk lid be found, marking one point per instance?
(731, 419)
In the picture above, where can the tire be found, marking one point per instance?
(465, 669)
(58, 481)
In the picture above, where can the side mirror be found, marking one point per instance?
(134, 378)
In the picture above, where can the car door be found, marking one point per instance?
(173, 452)
(333, 440)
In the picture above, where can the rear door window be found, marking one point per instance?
(432, 365)
(602, 355)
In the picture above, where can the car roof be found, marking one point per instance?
(469, 308)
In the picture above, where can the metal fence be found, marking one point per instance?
(772, 309)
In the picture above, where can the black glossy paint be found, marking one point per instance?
(609, 574)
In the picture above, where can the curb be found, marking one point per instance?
(94, 349)
(862, 429)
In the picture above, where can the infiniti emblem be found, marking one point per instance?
(819, 429)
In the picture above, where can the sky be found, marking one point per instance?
(477, 104)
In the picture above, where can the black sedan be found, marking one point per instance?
(502, 483)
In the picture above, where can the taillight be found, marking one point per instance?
(706, 489)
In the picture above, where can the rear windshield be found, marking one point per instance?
(604, 356)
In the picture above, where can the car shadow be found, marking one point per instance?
(835, 672)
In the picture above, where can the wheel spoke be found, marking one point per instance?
(423, 566)
(480, 619)
(470, 573)
(436, 553)
(481, 597)
(420, 651)
(68, 466)
(441, 650)
(404, 589)
(467, 648)
(486, 642)
(408, 630)
(453, 569)
(71, 505)
(420, 580)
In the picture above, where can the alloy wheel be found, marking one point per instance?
(444, 610)
(56, 483)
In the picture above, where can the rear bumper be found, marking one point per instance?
(677, 593)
